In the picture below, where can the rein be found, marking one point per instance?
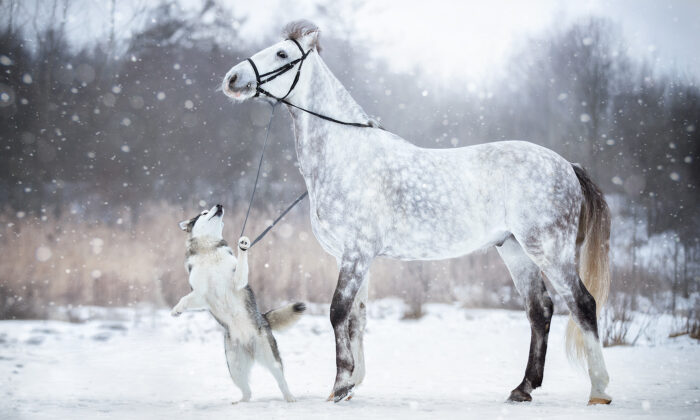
(261, 79)
(255, 186)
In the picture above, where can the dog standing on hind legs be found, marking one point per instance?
(219, 284)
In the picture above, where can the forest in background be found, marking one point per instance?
(107, 145)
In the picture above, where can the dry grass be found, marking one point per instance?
(689, 323)
(73, 261)
(618, 320)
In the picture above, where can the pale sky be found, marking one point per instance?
(446, 38)
(471, 38)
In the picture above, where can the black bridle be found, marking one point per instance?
(261, 79)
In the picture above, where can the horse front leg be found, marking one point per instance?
(356, 327)
(346, 326)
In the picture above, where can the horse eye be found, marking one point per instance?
(281, 54)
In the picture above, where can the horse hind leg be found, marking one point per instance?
(539, 308)
(558, 262)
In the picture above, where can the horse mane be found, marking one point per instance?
(300, 28)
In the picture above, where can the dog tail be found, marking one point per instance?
(285, 316)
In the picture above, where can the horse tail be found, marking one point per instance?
(593, 246)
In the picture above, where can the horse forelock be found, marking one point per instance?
(300, 28)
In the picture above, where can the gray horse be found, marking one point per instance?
(374, 194)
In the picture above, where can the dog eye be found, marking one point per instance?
(281, 54)
(204, 212)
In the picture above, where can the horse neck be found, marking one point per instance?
(319, 91)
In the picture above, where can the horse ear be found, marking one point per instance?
(310, 40)
(303, 31)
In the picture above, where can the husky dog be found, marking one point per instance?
(219, 284)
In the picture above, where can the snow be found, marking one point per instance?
(451, 363)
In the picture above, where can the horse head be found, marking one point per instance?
(274, 71)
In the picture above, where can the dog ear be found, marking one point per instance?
(185, 225)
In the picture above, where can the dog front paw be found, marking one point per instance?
(244, 243)
(175, 312)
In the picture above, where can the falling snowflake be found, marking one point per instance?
(96, 244)
(43, 253)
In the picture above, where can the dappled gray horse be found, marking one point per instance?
(374, 194)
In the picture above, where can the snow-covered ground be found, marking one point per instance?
(453, 363)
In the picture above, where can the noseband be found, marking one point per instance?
(261, 79)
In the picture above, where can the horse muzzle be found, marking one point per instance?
(238, 84)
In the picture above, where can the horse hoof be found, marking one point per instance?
(519, 396)
(344, 392)
(597, 400)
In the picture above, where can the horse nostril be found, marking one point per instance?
(232, 82)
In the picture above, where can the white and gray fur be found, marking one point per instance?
(219, 284)
(374, 194)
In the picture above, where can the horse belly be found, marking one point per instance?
(458, 240)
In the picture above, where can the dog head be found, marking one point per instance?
(207, 223)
